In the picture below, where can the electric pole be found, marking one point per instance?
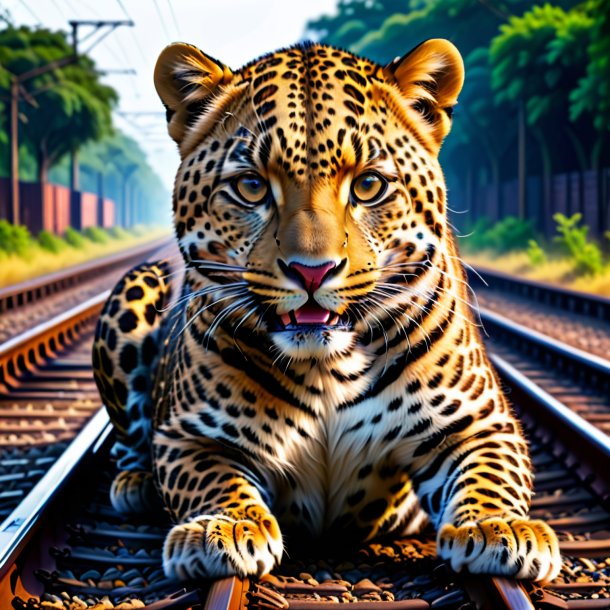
(96, 25)
(14, 188)
(521, 160)
(18, 91)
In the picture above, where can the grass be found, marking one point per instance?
(39, 260)
(570, 258)
(556, 270)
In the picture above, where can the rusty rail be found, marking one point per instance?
(30, 349)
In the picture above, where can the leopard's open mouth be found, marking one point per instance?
(309, 316)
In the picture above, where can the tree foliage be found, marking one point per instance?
(72, 111)
(538, 58)
(592, 95)
(71, 105)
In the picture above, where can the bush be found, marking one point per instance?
(510, 234)
(474, 238)
(15, 239)
(535, 254)
(587, 255)
(117, 232)
(96, 235)
(50, 242)
(74, 238)
(506, 235)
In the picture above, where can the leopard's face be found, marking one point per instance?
(309, 203)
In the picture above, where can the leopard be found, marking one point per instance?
(318, 370)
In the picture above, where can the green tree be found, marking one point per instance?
(72, 105)
(537, 59)
(593, 92)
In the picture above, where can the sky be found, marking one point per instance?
(233, 31)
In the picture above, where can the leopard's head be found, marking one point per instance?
(309, 203)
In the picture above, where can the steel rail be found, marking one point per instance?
(31, 348)
(19, 526)
(512, 593)
(30, 291)
(548, 407)
(583, 359)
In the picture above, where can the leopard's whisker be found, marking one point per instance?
(201, 310)
(200, 293)
(223, 314)
(403, 313)
(215, 265)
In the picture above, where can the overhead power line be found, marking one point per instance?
(59, 9)
(162, 20)
(30, 11)
(173, 14)
(133, 35)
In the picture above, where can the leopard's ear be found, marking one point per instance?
(186, 79)
(430, 77)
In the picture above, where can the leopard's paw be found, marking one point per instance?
(215, 546)
(135, 493)
(516, 547)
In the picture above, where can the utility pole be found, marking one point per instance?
(74, 177)
(521, 169)
(14, 190)
(96, 25)
(18, 91)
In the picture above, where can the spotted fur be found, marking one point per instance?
(321, 371)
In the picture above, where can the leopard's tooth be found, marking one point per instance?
(334, 318)
(285, 318)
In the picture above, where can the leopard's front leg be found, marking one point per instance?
(223, 525)
(479, 501)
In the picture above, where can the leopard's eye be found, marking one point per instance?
(368, 188)
(252, 188)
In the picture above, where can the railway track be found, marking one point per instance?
(47, 392)
(558, 297)
(62, 545)
(575, 377)
(81, 553)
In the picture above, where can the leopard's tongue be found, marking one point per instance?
(311, 313)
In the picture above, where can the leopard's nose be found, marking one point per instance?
(311, 277)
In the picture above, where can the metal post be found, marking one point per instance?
(74, 175)
(521, 160)
(15, 217)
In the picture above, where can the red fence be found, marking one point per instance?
(55, 208)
